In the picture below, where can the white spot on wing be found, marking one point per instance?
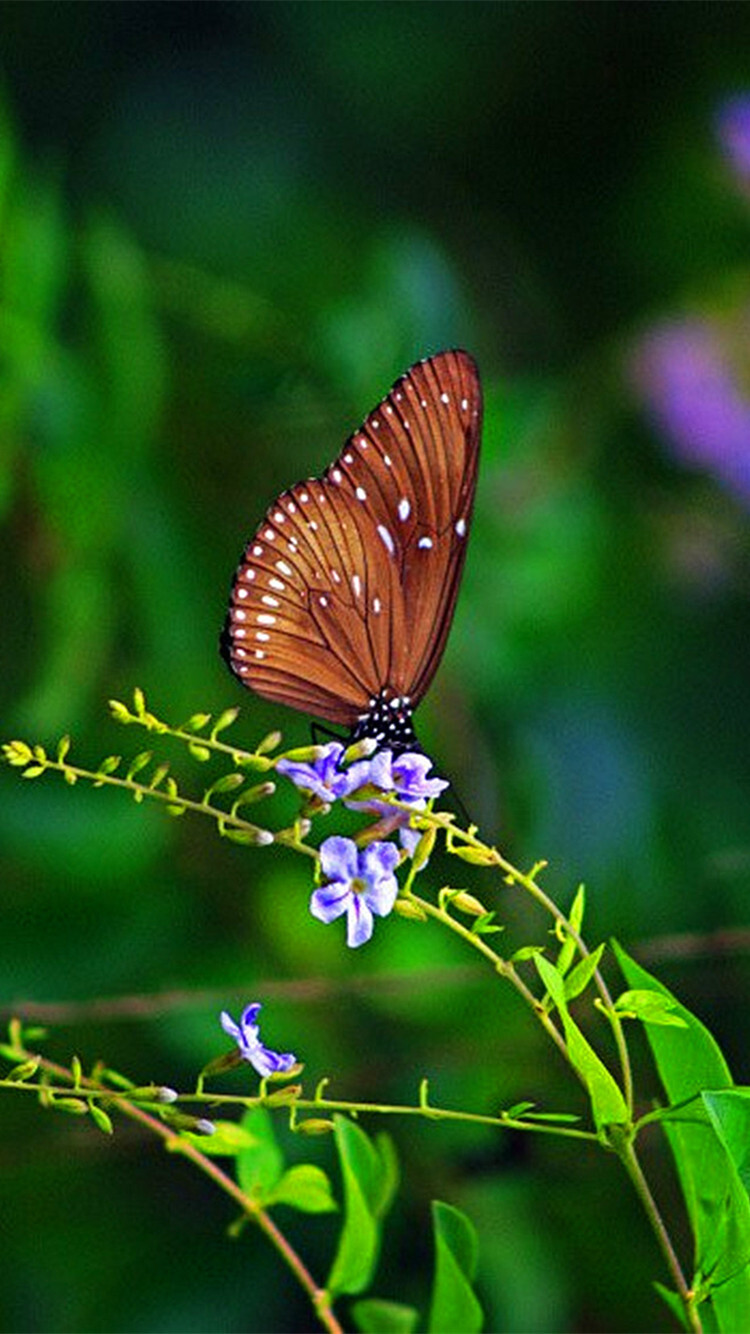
(356, 585)
(360, 493)
(265, 619)
(464, 404)
(257, 551)
(386, 538)
(277, 584)
(404, 509)
(263, 635)
(425, 543)
(283, 568)
(269, 535)
(268, 601)
(337, 475)
(445, 398)
(460, 527)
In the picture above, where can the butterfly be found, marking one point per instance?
(343, 600)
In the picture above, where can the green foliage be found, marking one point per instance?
(454, 1303)
(707, 1144)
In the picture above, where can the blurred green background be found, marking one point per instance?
(224, 230)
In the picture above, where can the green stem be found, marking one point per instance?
(628, 1157)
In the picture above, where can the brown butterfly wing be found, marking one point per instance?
(349, 586)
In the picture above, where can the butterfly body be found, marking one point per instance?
(344, 597)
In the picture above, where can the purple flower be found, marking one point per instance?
(686, 379)
(405, 776)
(733, 132)
(360, 883)
(247, 1036)
(410, 781)
(323, 778)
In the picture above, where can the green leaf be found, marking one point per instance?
(580, 976)
(260, 1164)
(454, 1304)
(607, 1103)
(229, 1140)
(307, 1188)
(373, 1315)
(651, 1007)
(690, 1063)
(359, 1240)
(675, 1304)
(575, 917)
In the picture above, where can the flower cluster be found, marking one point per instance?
(325, 778)
(360, 883)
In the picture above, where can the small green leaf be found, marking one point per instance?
(575, 917)
(63, 746)
(454, 1304)
(527, 952)
(580, 976)
(307, 1188)
(259, 1165)
(34, 771)
(674, 1303)
(373, 1315)
(607, 1102)
(651, 1007)
(229, 1140)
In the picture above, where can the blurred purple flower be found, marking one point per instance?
(689, 387)
(360, 883)
(247, 1036)
(733, 133)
